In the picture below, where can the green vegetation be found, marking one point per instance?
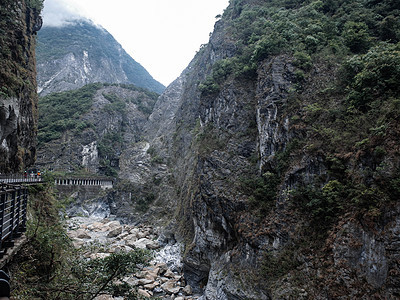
(262, 191)
(142, 195)
(49, 267)
(109, 147)
(16, 75)
(347, 118)
(35, 4)
(59, 112)
(304, 29)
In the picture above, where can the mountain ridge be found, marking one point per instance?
(79, 53)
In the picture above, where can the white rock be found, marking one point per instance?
(143, 293)
(188, 290)
(115, 232)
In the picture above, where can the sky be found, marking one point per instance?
(162, 35)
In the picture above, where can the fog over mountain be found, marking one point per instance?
(78, 52)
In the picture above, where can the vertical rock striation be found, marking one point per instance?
(18, 98)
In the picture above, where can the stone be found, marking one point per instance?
(170, 287)
(153, 245)
(78, 244)
(180, 298)
(151, 286)
(135, 230)
(123, 235)
(144, 243)
(104, 297)
(144, 293)
(112, 225)
(163, 267)
(99, 255)
(115, 232)
(82, 234)
(187, 290)
(143, 281)
(169, 274)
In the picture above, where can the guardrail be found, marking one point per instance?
(17, 178)
(105, 183)
(13, 205)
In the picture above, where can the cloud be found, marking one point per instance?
(57, 13)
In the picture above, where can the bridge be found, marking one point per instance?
(13, 208)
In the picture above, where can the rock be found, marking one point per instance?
(169, 274)
(187, 290)
(179, 298)
(135, 232)
(151, 286)
(104, 297)
(82, 234)
(95, 226)
(163, 267)
(170, 287)
(143, 281)
(78, 244)
(115, 232)
(123, 235)
(143, 293)
(144, 243)
(112, 225)
(99, 255)
(153, 245)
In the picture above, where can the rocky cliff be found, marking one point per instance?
(90, 127)
(80, 53)
(19, 22)
(281, 139)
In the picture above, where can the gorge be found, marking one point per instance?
(273, 159)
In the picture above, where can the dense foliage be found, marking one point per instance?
(317, 28)
(349, 117)
(59, 112)
(16, 68)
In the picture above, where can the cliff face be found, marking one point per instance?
(18, 98)
(285, 170)
(80, 53)
(90, 128)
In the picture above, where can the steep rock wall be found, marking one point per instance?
(249, 156)
(18, 97)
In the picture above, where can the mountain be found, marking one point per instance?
(80, 53)
(88, 128)
(282, 142)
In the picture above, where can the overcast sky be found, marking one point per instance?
(162, 35)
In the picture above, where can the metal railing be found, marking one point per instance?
(18, 178)
(13, 206)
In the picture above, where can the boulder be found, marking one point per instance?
(151, 286)
(169, 274)
(115, 232)
(144, 293)
(170, 287)
(144, 281)
(187, 290)
(144, 243)
(82, 234)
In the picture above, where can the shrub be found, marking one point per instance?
(356, 36)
